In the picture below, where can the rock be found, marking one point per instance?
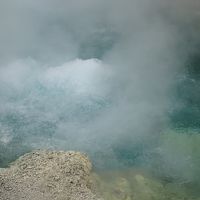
(134, 184)
(112, 188)
(148, 189)
(52, 175)
(2, 169)
(47, 175)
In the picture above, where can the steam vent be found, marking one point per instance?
(99, 99)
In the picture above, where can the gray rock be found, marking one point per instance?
(47, 175)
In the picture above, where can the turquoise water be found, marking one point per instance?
(124, 87)
(52, 111)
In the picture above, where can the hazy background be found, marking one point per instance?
(116, 79)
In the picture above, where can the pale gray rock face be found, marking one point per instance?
(47, 175)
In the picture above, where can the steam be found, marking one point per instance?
(95, 76)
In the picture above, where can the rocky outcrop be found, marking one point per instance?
(47, 175)
(52, 175)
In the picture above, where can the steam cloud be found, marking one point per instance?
(95, 76)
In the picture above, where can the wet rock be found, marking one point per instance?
(148, 189)
(132, 184)
(116, 188)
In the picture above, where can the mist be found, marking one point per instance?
(96, 76)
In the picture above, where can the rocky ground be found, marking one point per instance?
(47, 175)
(57, 175)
